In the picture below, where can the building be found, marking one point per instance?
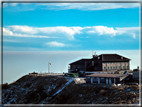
(103, 62)
(106, 78)
(33, 74)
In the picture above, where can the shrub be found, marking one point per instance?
(27, 84)
(5, 86)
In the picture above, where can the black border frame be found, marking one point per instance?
(109, 1)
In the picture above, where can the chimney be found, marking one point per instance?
(137, 67)
(94, 56)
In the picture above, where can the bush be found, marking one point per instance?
(5, 86)
(27, 84)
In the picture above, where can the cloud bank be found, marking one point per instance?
(88, 6)
(68, 32)
(77, 6)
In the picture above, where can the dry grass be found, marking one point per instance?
(79, 94)
(35, 90)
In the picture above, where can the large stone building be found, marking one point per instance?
(103, 62)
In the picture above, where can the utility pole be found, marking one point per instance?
(49, 67)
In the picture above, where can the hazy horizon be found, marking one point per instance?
(17, 64)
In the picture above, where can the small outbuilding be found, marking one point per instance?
(106, 78)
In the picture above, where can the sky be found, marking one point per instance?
(37, 33)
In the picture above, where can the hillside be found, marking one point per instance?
(40, 90)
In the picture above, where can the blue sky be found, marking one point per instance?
(70, 26)
(60, 33)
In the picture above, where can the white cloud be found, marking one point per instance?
(88, 6)
(7, 32)
(9, 4)
(132, 31)
(59, 30)
(55, 44)
(78, 6)
(9, 40)
(22, 29)
(104, 30)
(13, 4)
(69, 32)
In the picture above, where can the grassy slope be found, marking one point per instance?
(38, 90)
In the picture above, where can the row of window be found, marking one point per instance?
(113, 62)
(115, 67)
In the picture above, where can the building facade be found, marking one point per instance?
(103, 62)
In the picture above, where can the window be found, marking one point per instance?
(111, 67)
(104, 67)
(124, 67)
(108, 67)
(114, 67)
(119, 67)
(127, 66)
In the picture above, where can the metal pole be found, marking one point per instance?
(48, 67)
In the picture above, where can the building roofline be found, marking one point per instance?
(79, 60)
(107, 75)
(105, 60)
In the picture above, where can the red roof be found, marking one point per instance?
(107, 75)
